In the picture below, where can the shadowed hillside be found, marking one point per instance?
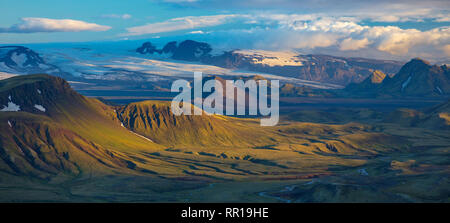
(58, 145)
(154, 119)
(55, 129)
(417, 78)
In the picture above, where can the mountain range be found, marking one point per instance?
(417, 78)
(22, 60)
(321, 68)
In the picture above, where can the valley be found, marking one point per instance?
(98, 127)
(82, 150)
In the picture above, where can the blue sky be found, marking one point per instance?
(383, 29)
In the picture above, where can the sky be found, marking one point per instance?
(373, 28)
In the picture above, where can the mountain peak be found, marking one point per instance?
(417, 78)
(23, 60)
(377, 77)
(34, 93)
(418, 61)
(15, 81)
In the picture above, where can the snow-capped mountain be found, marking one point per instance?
(318, 68)
(22, 60)
(187, 50)
(112, 62)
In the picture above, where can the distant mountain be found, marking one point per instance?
(187, 50)
(377, 77)
(417, 78)
(22, 60)
(289, 90)
(437, 117)
(320, 68)
(372, 82)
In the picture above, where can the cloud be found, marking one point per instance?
(378, 11)
(323, 24)
(443, 18)
(309, 40)
(176, 24)
(314, 31)
(399, 14)
(397, 41)
(310, 32)
(34, 25)
(446, 50)
(116, 16)
(197, 32)
(179, 1)
(354, 44)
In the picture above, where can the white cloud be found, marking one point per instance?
(399, 14)
(446, 50)
(399, 41)
(182, 23)
(197, 32)
(354, 44)
(307, 32)
(443, 18)
(33, 25)
(379, 10)
(386, 18)
(117, 16)
(179, 1)
(325, 24)
(313, 40)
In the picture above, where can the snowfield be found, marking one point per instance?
(19, 59)
(272, 58)
(128, 65)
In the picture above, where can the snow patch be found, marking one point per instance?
(289, 188)
(11, 107)
(363, 172)
(43, 66)
(405, 84)
(40, 108)
(98, 64)
(19, 59)
(121, 124)
(310, 182)
(272, 58)
(142, 136)
(7, 69)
